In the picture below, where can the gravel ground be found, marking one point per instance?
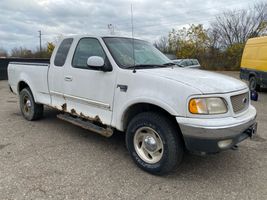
(52, 159)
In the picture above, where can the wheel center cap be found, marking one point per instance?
(150, 143)
(28, 103)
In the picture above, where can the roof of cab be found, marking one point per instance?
(95, 36)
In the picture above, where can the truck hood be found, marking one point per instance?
(205, 81)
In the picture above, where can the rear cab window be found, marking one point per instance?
(62, 52)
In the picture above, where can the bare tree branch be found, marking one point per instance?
(235, 27)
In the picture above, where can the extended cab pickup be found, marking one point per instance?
(102, 84)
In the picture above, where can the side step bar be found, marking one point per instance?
(107, 132)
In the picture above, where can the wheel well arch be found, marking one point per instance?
(22, 85)
(251, 75)
(136, 108)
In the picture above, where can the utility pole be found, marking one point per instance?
(40, 37)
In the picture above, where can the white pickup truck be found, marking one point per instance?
(102, 84)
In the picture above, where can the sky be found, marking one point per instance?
(20, 20)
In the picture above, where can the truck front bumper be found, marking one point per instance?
(217, 134)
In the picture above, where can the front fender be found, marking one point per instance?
(169, 95)
(122, 109)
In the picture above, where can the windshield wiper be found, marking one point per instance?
(169, 64)
(172, 64)
(141, 66)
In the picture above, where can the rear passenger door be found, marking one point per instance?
(56, 73)
(89, 91)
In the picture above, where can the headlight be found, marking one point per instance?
(207, 106)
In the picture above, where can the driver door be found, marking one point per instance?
(89, 91)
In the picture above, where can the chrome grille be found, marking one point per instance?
(240, 102)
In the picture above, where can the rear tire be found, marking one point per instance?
(154, 143)
(253, 86)
(29, 109)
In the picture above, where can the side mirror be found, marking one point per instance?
(96, 62)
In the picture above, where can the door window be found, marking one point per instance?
(86, 48)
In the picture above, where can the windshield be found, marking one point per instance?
(144, 53)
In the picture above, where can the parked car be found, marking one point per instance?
(254, 63)
(99, 84)
(190, 63)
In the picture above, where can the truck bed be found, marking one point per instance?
(34, 74)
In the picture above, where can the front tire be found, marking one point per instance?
(154, 143)
(29, 109)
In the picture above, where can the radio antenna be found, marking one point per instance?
(133, 38)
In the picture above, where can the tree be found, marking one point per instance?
(162, 44)
(233, 55)
(197, 36)
(21, 52)
(221, 45)
(50, 48)
(176, 37)
(3, 52)
(235, 27)
(189, 42)
(46, 52)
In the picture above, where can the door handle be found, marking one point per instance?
(123, 88)
(68, 78)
